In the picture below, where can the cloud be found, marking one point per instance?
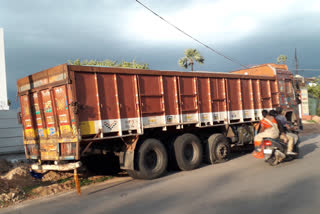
(43, 33)
(219, 21)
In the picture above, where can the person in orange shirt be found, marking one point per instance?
(268, 128)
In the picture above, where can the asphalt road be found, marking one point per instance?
(241, 185)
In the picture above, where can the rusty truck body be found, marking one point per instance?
(149, 118)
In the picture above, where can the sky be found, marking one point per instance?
(40, 34)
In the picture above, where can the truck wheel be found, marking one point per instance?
(188, 151)
(152, 160)
(218, 149)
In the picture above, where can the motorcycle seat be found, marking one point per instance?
(271, 139)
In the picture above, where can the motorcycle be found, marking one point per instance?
(275, 151)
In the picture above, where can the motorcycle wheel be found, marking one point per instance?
(272, 161)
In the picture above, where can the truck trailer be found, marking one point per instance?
(150, 119)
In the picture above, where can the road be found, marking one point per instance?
(241, 185)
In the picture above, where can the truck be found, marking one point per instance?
(149, 119)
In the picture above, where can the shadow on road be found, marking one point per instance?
(109, 187)
(292, 198)
(306, 149)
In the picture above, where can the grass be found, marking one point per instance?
(87, 181)
(28, 189)
(103, 179)
(61, 181)
(311, 121)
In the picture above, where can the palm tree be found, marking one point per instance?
(282, 58)
(191, 55)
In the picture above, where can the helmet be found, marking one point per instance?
(279, 110)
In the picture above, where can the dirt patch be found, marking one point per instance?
(5, 166)
(52, 189)
(19, 183)
(12, 184)
(53, 176)
(310, 128)
(316, 119)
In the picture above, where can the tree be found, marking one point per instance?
(281, 58)
(191, 55)
(109, 63)
(314, 88)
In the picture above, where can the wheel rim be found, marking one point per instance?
(188, 152)
(222, 151)
(151, 159)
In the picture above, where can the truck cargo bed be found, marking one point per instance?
(68, 104)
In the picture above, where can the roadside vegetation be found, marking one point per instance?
(314, 90)
(110, 63)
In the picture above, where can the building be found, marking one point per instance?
(11, 140)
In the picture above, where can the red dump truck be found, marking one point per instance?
(150, 119)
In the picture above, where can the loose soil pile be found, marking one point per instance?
(53, 176)
(5, 166)
(12, 184)
(17, 184)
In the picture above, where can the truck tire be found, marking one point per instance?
(134, 174)
(217, 149)
(188, 151)
(152, 160)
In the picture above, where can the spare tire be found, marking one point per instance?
(188, 151)
(217, 149)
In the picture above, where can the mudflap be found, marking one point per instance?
(127, 160)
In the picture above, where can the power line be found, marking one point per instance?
(307, 69)
(215, 51)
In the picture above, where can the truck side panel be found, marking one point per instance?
(234, 100)
(257, 98)
(247, 99)
(171, 101)
(205, 106)
(188, 100)
(87, 96)
(219, 99)
(152, 101)
(109, 103)
(275, 93)
(266, 94)
(129, 103)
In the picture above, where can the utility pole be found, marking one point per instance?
(296, 60)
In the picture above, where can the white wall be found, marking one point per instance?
(3, 80)
(11, 140)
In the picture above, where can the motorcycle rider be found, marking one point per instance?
(268, 128)
(287, 137)
(261, 126)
